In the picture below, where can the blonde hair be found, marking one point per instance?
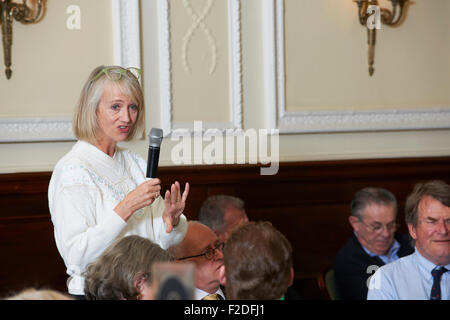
(85, 122)
(41, 294)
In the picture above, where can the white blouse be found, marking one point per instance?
(85, 187)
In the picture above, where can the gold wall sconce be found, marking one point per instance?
(10, 10)
(371, 16)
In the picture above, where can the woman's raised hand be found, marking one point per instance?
(174, 203)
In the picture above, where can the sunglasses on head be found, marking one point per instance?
(116, 73)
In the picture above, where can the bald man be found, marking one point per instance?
(202, 247)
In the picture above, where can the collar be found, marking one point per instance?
(425, 265)
(199, 293)
(391, 253)
(110, 168)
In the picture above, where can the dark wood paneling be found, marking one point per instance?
(29, 256)
(307, 201)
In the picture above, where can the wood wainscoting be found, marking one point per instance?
(307, 201)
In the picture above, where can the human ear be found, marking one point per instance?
(291, 277)
(139, 283)
(354, 222)
(412, 231)
(222, 278)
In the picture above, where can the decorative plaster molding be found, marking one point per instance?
(197, 24)
(35, 129)
(126, 18)
(370, 120)
(235, 69)
(165, 66)
(326, 121)
(234, 34)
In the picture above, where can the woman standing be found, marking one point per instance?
(98, 191)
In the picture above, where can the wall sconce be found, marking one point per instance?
(20, 12)
(371, 16)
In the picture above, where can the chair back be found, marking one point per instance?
(330, 284)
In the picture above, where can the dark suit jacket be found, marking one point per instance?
(351, 263)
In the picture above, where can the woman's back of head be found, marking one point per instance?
(114, 274)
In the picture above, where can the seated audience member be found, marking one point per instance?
(258, 263)
(424, 274)
(123, 270)
(373, 213)
(222, 213)
(39, 294)
(202, 247)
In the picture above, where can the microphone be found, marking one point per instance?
(155, 137)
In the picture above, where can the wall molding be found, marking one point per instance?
(127, 53)
(126, 33)
(370, 120)
(165, 66)
(235, 69)
(326, 121)
(36, 129)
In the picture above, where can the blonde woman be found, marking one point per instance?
(98, 191)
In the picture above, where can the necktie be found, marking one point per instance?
(214, 296)
(436, 288)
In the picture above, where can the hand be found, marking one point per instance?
(144, 195)
(174, 205)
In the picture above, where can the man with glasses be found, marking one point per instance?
(424, 274)
(373, 243)
(202, 247)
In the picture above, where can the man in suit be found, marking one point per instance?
(373, 243)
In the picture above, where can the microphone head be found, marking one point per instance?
(155, 137)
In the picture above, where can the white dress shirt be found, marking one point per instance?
(85, 187)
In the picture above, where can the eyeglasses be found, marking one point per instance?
(378, 227)
(116, 73)
(209, 253)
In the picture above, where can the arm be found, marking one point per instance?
(350, 275)
(169, 225)
(82, 232)
(174, 201)
(144, 195)
(351, 286)
(166, 231)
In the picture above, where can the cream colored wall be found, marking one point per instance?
(355, 145)
(326, 58)
(50, 64)
(92, 46)
(200, 62)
